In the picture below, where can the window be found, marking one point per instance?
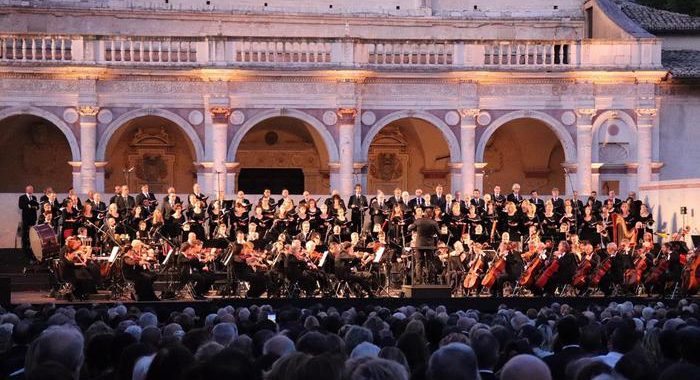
(254, 181)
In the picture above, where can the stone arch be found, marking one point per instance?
(450, 138)
(329, 142)
(559, 130)
(601, 120)
(55, 120)
(135, 114)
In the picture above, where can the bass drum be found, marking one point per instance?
(43, 241)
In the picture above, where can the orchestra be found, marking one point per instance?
(495, 244)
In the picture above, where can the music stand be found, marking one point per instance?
(322, 261)
(696, 240)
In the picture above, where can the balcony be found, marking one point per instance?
(317, 53)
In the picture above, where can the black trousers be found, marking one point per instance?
(26, 247)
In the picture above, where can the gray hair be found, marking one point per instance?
(356, 335)
(279, 345)
(454, 361)
(225, 333)
(379, 369)
(61, 344)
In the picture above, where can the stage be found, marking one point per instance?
(33, 287)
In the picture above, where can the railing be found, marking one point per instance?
(415, 53)
(149, 51)
(517, 55)
(281, 51)
(528, 53)
(35, 48)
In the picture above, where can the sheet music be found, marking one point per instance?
(167, 257)
(323, 259)
(113, 255)
(378, 255)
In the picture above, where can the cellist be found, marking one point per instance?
(514, 267)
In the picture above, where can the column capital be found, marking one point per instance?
(646, 113)
(220, 114)
(585, 115)
(469, 112)
(346, 115)
(88, 110)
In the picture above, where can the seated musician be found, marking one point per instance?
(75, 269)
(194, 266)
(622, 261)
(346, 262)
(454, 265)
(249, 265)
(514, 266)
(298, 268)
(670, 257)
(567, 268)
(138, 267)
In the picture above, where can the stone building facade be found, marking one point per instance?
(468, 94)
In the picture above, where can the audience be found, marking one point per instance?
(618, 341)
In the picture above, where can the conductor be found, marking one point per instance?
(427, 230)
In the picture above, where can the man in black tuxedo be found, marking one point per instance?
(515, 196)
(438, 199)
(97, 205)
(197, 191)
(125, 202)
(418, 201)
(463, 205)
(427, 230)
(169, 204)
(171, 190)
(498, 199)
(29, 204)
(557, 202)
(636, 205)
(394, 199)
(537, 201)
(568, 336)
(477, 201)
(358, 205)
(117, 192)
(146, 200)
(577, 204)
(597, 205)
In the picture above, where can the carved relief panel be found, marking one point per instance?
(152, 157)
(388, 161)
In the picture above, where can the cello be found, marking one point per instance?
(581, 273)
(600, 272)
(548, 273)
(691, 274)
(498, 266)
(472, 278)
(533, 268)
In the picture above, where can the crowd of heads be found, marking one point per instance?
(617, 341)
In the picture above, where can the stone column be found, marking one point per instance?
(217, 146)
(645, 123)
(88, 146)
(346, 141)
(479, 178)
(584, 141)
(468, 142)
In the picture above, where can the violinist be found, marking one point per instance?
(250, 267)
(194, 266)
(298, 268)
(346, 262)
(75, 268)
(138, 267)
